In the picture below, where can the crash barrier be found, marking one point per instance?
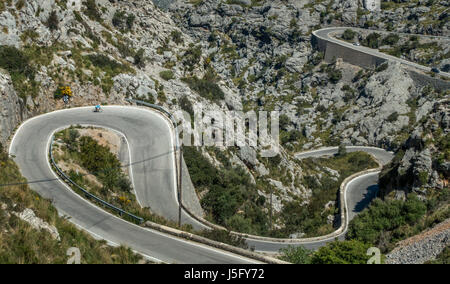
(215, 244)
(88, 194)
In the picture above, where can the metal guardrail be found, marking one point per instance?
(88, 194)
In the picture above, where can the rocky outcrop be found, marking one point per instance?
(421, 164)
(12, 110)
(385, 94)
(37, 223)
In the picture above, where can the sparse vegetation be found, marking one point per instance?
(206, 88)
(167, 75)
(311, 219)
(224, 237)
(20, 243)
(19, 66)
(230, 199)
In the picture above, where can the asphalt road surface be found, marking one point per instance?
(153, 175)
(150, 141)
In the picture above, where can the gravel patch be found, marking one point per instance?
(423, 247)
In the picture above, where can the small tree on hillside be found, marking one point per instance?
(52, 21)
(342, 150)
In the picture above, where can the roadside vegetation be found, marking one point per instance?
(228, 196)
(337, 252)
(20, 68)
(20, 243)
(385, 223)
(95, 168)
(323, 176)
(231, 200)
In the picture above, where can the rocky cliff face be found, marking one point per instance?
(12, 108)
(257, 55)
(98, 48)
(422, 164)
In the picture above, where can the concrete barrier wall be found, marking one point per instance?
(333, 50)
(215, 244)
(424, 80)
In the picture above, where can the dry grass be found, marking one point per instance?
(20, 243)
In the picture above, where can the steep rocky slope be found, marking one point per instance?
(224, 55)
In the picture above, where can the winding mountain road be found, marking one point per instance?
(358, 194)
(150, 141)
(153, 173)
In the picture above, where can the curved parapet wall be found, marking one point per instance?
(333, 51)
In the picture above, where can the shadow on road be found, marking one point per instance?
(368, 196)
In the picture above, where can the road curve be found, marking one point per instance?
(151, 146)
(359, 192)
(326, 34)
(150, 141)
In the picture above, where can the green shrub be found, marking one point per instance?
(384, 222)
(296, 255)
(192, 57)
(372, 40)
(20, 4)
(91, 10)
(186, 105)
(52, 21)
(290, 136)
(15, 62)
(348, 34)
(390, 39)
(392, 117)
(123, 21)
(334, 75)
(139, 58)
(382, 67)
(177, 37)
(106, 64)
(18, 64)
(206, 88)
(98, 160)
(167, 75)
(342, 252)
(130, 21)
